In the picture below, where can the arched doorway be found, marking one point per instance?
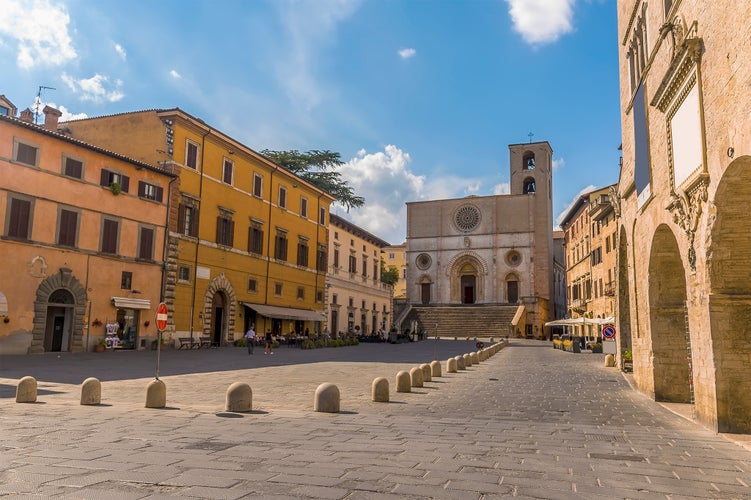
(218, 317)
(468, 280)
(729, 262)
(667, 320)
(57, 331)
(512, 289)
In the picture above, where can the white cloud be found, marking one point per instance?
(174, 74)
(502, 188)
(558, 163)
(407, 53)
(97, 88)
(41, 31)
(120, 51)
(386, 182)
(573, 202)
(542, 21)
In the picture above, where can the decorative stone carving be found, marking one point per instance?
(687, 209)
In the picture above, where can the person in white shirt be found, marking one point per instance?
(250, 336)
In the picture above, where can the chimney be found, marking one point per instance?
(27, 116)
(51, 115)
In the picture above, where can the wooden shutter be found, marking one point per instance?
(68, 223)
(20, 211)
(194, 222)
(109, 236)
(219, 221)
(104, 178)
(124, 183)
(141, 189)
(159, 193)
(146, 249)
(181, 218)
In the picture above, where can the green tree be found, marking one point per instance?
(389, 275)
(320, 169)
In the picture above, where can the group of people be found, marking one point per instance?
(250, 336)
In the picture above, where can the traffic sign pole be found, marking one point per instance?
(162, 315)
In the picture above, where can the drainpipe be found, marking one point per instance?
(198, 243)
(166, 235)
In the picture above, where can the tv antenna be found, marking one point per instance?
(38, 101)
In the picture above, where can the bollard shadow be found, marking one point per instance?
(225, 414)
(347, 412)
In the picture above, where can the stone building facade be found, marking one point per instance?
(684, 245)
(488, 250)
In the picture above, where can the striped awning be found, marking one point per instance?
(286, 312)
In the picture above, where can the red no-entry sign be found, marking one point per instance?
(161, 317)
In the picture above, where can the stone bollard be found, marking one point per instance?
(426, 372)
(415, 374)
(435, 368)
(91, 391)
(460, 364)
(609, 361)
(475, 358)
(467, 360)
(451, 365)
(403, 382)
(156, 394)
(381, 390)
(239, 398)
(26, 390)
(326, 399)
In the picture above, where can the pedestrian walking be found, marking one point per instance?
(250, 336)
(269, 346)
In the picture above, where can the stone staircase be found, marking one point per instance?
(463, 321)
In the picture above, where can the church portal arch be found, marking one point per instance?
(467, 278)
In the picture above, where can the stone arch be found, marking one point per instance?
(528, 160)
(226, 323)
(624, 297)
(467, 278)
(62, 280)
(530, 186)
(729, 271)
(667, 323)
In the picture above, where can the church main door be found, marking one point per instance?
(468, 289)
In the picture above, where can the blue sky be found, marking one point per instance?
(420, 97)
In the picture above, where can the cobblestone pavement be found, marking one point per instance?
(530, 422)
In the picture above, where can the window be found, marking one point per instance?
(67, 230)
(404, 273)
(304, 207)
(336, 235)
(183, 273)
(255, 238)
(322, 216)
(229, 168)
(108, 177)
(351, 302)
(321, 258)
(26, 153)
(391, 256)
(150, 191)
(302, 253)
(225, 229)
(334, 298)
(336, 258)
(72, 167)
(352, 264)
(300, 293)
(252, 285)
(597, 256)
(110, 231)
(280, 250)
(364, 267)
(375, 271)
(146, 243)
(18, 222)
(187, 219)
(282, 197)
(191, 155)
(319, 296)
(126, 280)
(278, 289)
(257, 186)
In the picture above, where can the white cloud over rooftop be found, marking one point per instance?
(542, 21)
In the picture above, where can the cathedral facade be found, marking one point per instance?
(489, 251)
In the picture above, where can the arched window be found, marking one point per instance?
(529, 186)
(529, 161)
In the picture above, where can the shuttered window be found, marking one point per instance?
(146, 243)
(66, 235)
(109, 236)
(20, 218)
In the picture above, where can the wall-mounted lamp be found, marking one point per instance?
(231, 151)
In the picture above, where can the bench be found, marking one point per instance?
(207, 343)
(188, 343)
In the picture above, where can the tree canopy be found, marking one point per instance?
(320, 169)
(390, 274)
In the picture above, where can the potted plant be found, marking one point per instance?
(101, 345)
(627, 361)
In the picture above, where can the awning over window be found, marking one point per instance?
(286, 312)
(518, 315)
(3, 305)
(128, 303)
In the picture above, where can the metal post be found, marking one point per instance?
(158, 351)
